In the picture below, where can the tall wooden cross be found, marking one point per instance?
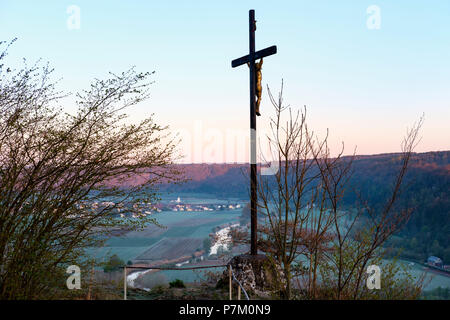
(250, 59)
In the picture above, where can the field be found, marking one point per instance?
(186, 228)
(170, 248)
(183, 234)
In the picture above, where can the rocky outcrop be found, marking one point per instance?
(255, 273)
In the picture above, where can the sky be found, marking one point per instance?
(365, 70)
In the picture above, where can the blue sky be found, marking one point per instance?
(366, 85)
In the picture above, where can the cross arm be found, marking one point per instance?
(258, 55)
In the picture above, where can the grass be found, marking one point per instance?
(191, 291)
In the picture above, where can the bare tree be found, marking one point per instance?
(63, 177)
(359, 235)
(312, 240)
(293, 226)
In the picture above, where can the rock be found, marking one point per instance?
(254, 272)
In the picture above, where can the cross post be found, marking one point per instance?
(250, 59)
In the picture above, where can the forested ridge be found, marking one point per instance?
(426, 190)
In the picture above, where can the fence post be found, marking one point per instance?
(230, 279)
(90, 282)
(239, 292)
(124, 283)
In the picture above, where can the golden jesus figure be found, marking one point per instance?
(258, 67)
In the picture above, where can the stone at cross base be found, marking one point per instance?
(255, 272)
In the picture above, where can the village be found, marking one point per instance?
(142, 209)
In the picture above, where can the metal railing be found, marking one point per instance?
(231, 276)
(240, 287)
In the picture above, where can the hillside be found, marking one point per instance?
(370, 172)
(426, 188)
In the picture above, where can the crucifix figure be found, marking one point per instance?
(258, 67)
(255, 90)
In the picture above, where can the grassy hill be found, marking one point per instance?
(426, 189)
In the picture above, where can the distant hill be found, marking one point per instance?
(370, 170)
(426, 188)
(223, 180)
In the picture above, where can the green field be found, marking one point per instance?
(190, 225)
(190, 228)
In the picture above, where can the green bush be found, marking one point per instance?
(158, 289)
(177, 283)
(113, 264)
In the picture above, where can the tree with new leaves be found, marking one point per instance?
(114, 263)
(64, 176)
